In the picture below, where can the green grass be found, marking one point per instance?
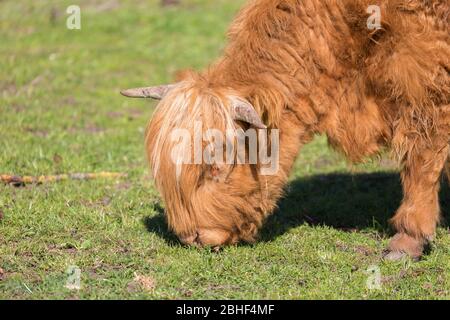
(61, 112)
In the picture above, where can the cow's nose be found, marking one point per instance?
(213, 237)
(190, 240)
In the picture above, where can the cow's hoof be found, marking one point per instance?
(403, 245)
(395, 256)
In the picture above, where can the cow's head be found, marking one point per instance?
(211, 197)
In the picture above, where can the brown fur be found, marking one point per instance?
(312, 67)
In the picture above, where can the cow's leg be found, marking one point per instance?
(419, 213)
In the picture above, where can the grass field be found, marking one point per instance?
(61, 113)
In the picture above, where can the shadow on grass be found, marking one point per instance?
(349, 202)
(158, 225)
(341, 201)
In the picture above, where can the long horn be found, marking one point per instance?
(244, 111)
(156, 93)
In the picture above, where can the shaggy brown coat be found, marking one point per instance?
(313, 67)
